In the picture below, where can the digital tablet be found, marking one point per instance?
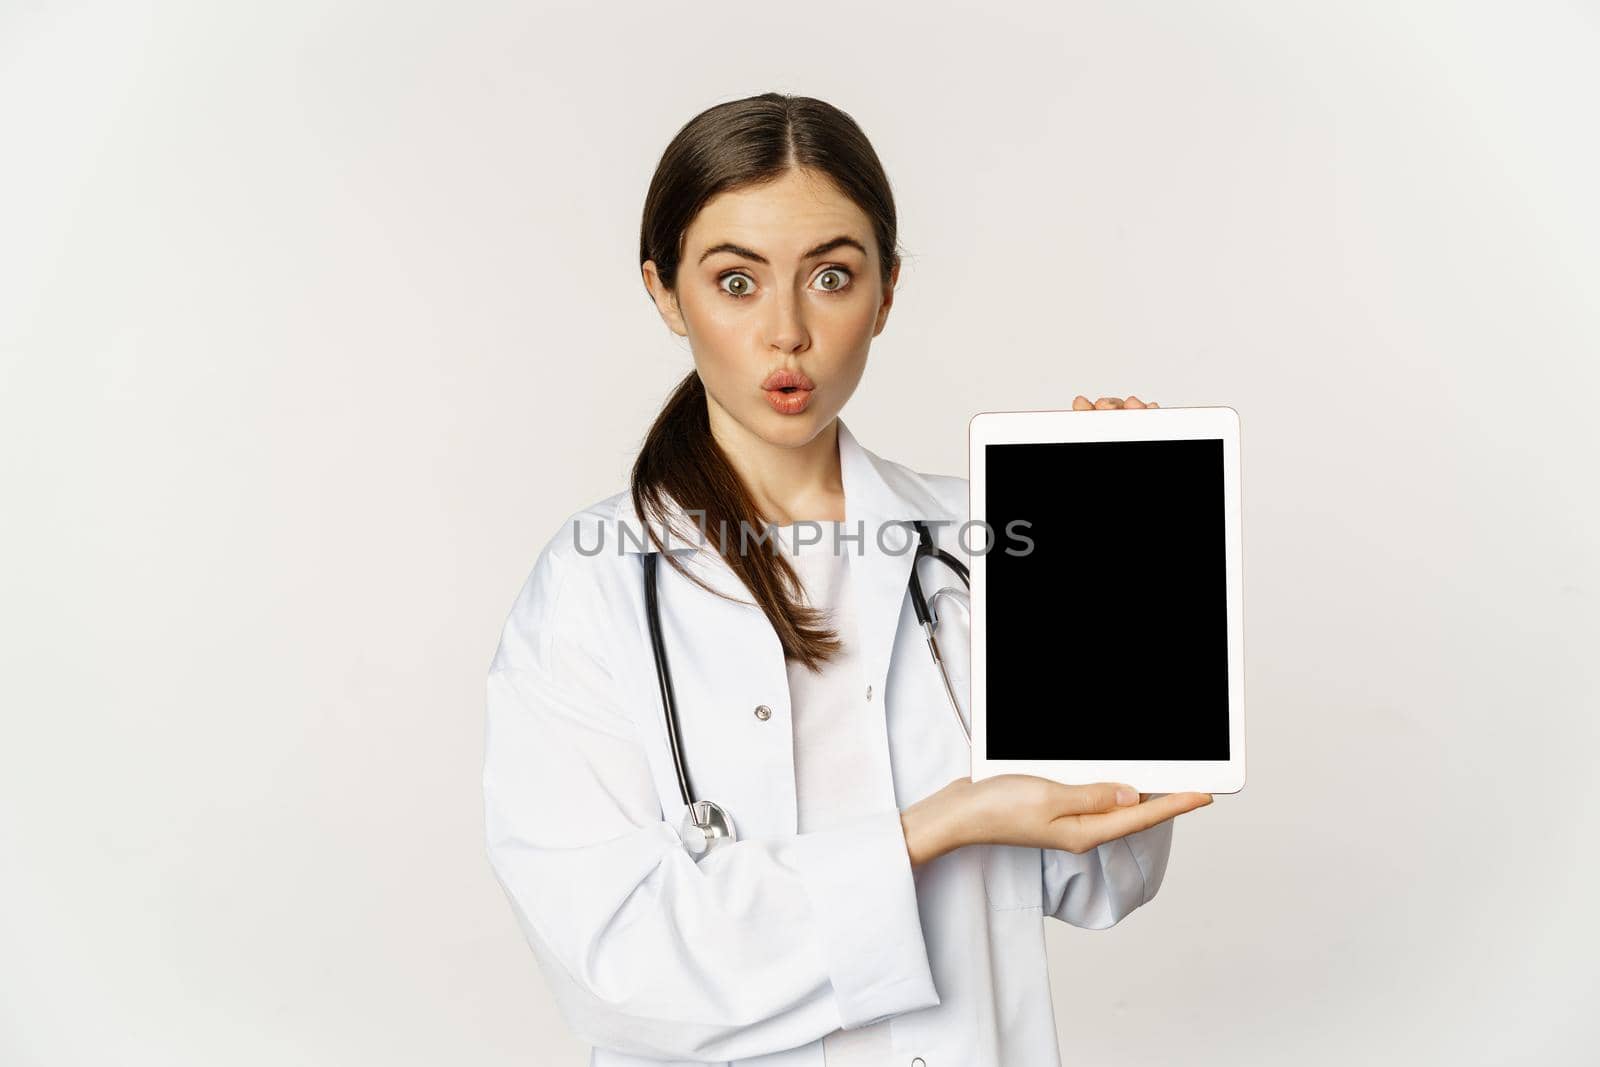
(1108, 597)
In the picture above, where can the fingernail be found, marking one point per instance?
(1127, 796)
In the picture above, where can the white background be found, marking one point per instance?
(317, 318)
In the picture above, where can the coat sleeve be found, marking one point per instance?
(1098, 889)
(765, 945)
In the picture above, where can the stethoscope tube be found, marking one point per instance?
(925, 548)
(928, 619)
(664, 674)
(705, 825)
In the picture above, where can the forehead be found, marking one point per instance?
(782, 218)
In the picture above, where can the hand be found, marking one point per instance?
(1081, 403)
(1023, 809)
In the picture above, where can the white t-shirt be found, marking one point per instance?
(841, 758)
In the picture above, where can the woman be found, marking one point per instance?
(875, 905)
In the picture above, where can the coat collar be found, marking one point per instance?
(879, 496)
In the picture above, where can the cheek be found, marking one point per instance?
(714, 322)
(852, 318)
(861, 324)
(844, 331)
(720, 344)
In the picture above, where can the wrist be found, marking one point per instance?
(933, 825)
(919, 838)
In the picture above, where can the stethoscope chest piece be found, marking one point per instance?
(705, 826)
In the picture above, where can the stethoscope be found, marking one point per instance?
(706, 825)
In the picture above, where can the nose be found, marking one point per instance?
(786, 332)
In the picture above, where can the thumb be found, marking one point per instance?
(1101, 796)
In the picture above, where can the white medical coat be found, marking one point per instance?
(751, 956)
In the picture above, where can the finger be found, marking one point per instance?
(1133, 402)
(1091, 829)
(1107, 402)
(1074, 800)
(1152, 404)
(1081, 403)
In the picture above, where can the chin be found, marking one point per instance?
(789, 430)
(796, 429)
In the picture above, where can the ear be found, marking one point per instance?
(888, 300)
(666, 300)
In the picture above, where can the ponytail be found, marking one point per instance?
(681, 460)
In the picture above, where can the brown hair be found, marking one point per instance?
(735, 144)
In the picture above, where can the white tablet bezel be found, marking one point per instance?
(1117, 424)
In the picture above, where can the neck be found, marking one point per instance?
(790, 483)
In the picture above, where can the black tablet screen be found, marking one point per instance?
(1106, 638)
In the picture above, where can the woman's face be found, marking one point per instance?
(774, 278)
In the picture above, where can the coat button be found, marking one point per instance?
(869, 692)
(919, 1062)
(763, 712)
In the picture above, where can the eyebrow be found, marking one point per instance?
(842, 241)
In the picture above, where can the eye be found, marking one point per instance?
(834, 279)
(743, 283)
(739, 285)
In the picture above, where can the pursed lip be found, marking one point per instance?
(787, 379)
